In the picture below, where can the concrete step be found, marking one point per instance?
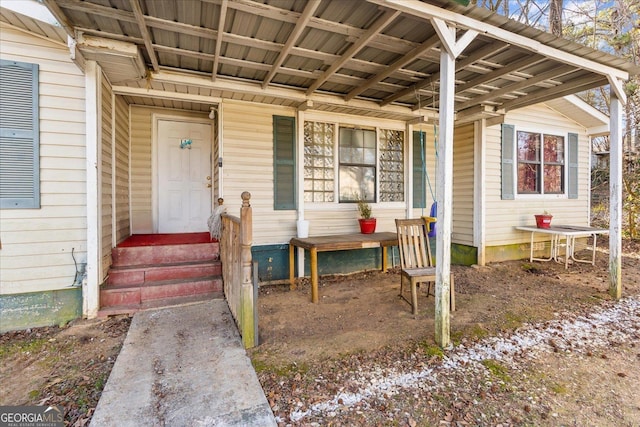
(139, 275)
(160, 303)
(164, 290)
(135, 294)
(164, 254)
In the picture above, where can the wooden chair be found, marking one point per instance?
(415, 259)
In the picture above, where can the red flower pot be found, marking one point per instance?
(367, 226)
(543, 221)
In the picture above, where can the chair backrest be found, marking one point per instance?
(413, 243)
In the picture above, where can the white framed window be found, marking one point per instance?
(538, 163)
(346, 163)
(541, 163)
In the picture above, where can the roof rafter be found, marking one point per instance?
(428, 11)
(397, 64)
(574, 86)
(373, 30)
(144, 31)
(301, 24)
(474, 57)
(547, 75)
(221, 22)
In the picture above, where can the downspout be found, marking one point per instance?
(90, 286)
(300, 180)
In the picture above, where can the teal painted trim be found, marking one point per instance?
(273, 262)
(35, 309)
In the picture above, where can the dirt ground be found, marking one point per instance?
(314, 360)
(66, 366)
(311, 354)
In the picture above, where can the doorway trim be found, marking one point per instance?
(155, 118)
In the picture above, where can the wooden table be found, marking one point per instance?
(339, 242)
(569, 233)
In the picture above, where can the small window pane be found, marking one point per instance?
(529, 146)
(528, 178)
(553, 149)
(553, 179)
(357, 182)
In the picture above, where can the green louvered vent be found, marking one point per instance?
(19, 136)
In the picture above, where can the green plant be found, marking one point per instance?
(364, 208)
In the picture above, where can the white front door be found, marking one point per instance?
(184, 176)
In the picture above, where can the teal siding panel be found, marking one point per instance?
(30, 310)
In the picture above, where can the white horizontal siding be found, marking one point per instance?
(247, 146)
(463, 185)
(121, 171)
(37, 243)
(503, 215)
(106, 178)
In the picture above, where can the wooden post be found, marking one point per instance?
(247, 302)
(452, 49)
(615, 198)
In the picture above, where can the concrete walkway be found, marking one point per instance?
(183, 366)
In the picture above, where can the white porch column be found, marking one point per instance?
(444, 196)
(615, 197)
(91, 286)
(451, 49)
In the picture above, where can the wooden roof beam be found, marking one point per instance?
(355, 47)
(569, 88)
(399, 63)
(221, 22)
(144, 31)
(428, 11)
(549, 74)
(301, 24)
(475, 56)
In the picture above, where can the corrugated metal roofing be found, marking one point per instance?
(375, 57)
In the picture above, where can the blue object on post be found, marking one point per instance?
(433, 213)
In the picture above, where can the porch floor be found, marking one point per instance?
(165, 239)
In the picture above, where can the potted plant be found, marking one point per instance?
(367, 224)
(543, 220)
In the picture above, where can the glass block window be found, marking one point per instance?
(318, 162)
(391, 166)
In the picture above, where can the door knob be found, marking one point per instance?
(209, 178)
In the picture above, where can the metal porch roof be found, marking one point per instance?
(377, 58)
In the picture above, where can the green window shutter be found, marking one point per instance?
(19, 136)
(419, 182)
(508, 162)
(284, 166)
(572, 179)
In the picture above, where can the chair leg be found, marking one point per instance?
(452, 294)
(414, 298)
